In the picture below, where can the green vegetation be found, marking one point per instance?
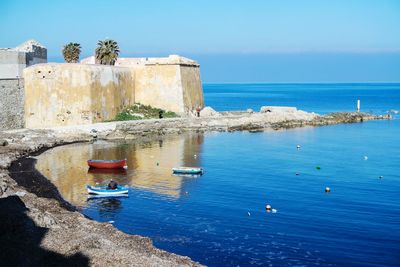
(107, 52)
(141, 112)
(71, 52)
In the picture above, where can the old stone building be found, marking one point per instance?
(37, 94)
(72, 94)
(12, 63)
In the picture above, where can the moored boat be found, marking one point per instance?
(104, 190)
(187, 170)
(107, 164)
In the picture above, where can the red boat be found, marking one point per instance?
(107, 164)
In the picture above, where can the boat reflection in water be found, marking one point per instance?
(121, 171)
(107, 207)
(149, 165)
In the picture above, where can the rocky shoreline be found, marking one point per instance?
(40, 228)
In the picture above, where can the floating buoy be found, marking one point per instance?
(327, 189)
(268, 208)
(248, 213)
(298, 146)
(380, 177)
(318, 167)
(365, 158)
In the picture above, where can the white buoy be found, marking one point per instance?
(365, 158)
(298, 146)
(327, 189)
(268, 208)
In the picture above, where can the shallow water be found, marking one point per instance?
(219, 219)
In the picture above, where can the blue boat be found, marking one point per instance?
(187, 170)
(104, 190)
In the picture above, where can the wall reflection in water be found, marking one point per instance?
(149, 165)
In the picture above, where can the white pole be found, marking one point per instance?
(358, 105)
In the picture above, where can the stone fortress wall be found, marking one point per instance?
(12, 63)
(73, 94)
(58, 94)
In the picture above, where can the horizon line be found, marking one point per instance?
(211, 83)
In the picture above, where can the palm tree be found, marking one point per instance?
(107, 52)
(71, 52)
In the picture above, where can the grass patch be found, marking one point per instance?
(141, 112)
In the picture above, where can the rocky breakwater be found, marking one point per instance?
(210, 120)
(38, 227)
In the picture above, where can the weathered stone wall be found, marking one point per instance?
(159, 86)
(11, 104)
(191, 88)
(172, 87)
(74, 94)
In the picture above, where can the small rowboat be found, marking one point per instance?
(187, 170)
(103, 190)
(107, 164)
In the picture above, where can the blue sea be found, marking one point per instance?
(219, 218)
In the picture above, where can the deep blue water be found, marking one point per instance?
(319, 98)
(219, 219)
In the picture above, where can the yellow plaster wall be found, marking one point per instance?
(73, 94)
(159, 86)
(172, 87)
(191, 88)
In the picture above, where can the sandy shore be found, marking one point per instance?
(38, 227)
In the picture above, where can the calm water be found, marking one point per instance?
(207, 217)
(319, 98)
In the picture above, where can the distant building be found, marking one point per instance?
(12, 63)
(14, 60)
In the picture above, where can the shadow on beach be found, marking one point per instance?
(20, 239)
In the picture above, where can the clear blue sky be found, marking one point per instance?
(234, 41)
